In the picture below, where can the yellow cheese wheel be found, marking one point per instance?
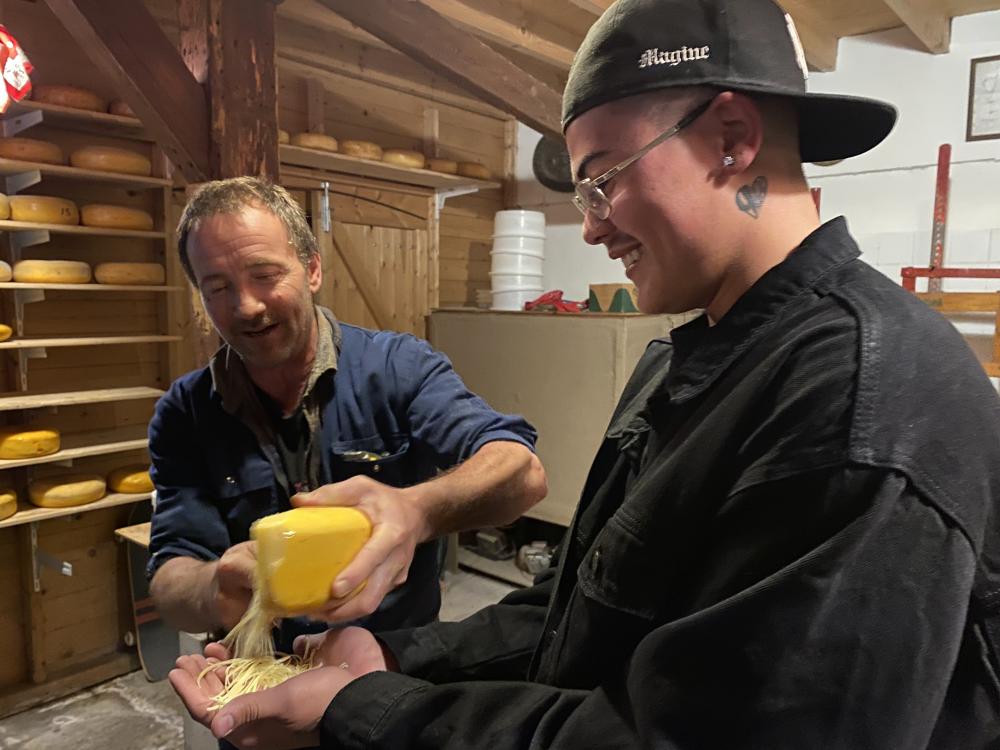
(6, 273)
(67, 490)
(8, 503)
(361, 149)
(120, 108)
(130, 273)
(134, 478)
(51, 272)
(111, 159)
(115, 217)
(69, 96)
(29, 149)
(26, 442)
(43, 209)
(5, 332)
(473, 170)
(447, 166)
(283, 136)
(314, 140)
(4, 211)
(403, 158)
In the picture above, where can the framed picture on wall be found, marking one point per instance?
(983, 120)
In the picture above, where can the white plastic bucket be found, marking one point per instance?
(514, 299)
(519, 223)
(502, 282)
(516, 263)
(511, 244)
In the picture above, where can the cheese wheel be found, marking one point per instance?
(25, 442)
(473, 170)
(67, 490)
(69, 96)
(51, 272)
(130, 273)
(115, 217)
(5, 332)
(111, 159)
(120, 108)
(443, 165)
(4, 210)
(43, 209)
(361, 149)
(283, 136)
(314, 140)
(6, 274)
(403, 158)
(29, 149)
(134, 478)
(8, 503)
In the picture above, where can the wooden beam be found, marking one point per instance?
(820, 47)
(431, 40)
(315, 106)
(243, 84)
(126, 43)
(927, 19)
(192, 16)
(597, 7)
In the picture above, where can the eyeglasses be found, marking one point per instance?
(591, 199)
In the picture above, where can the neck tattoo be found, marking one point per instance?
(750, 198)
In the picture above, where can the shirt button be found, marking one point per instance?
(375, 469)
(230, 480)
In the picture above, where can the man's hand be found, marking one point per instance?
(286, 716)
(232, 583)
(398, 525)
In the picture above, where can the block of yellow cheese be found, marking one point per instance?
(111, 159)
(43, 209)
(115, 217)
(300, 553)
(134, 478)
(26, 442)
(29, 149)
(130, 273)
(8, 503)
(66, 490)
(5, 332)
(69, 96)
(51, 272)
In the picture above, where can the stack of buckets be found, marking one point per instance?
(517, 257)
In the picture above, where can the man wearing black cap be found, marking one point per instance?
(787, 538)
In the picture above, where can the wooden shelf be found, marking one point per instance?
(30, 226)
(137, 534)
(13, 166)
(81, 445)
(333, 162)
(17, 401)
(100, 123)
(30, 343)
(94, 287)
(28, 513)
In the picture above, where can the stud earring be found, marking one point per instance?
(728, 161)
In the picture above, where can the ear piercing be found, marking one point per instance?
(728, 161)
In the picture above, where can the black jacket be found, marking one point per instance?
(786, 540)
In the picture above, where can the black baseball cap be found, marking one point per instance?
(736, 45)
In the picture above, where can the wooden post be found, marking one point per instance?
(315, 106)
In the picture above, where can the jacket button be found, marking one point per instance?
(230, 480)
(375, 468)
(595, 560)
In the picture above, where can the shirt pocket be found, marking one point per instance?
(244, 495)
(386, 460)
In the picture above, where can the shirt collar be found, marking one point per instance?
(703, 352)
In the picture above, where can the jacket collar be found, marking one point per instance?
(703, 352)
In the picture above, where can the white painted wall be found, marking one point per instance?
(886, 195)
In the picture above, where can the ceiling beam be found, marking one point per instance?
(928, 21)
(820, 47)
(597, 7)
(431, 40)
(126, 43)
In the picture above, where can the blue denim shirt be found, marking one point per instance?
(390, 394)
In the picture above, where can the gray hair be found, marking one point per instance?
(232, 196)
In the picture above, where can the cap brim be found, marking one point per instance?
(833, 127)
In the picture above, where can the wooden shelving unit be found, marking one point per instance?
(16, 285)
(31, 514)
(48, 343)
(81, 446)
(28, 226)
(20, 401)
(9, 167)
(23, 114)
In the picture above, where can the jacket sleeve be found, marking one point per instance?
(845, 640)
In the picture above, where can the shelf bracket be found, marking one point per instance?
(441, 196)
(15, 183)
(14, 125)
(23, 355)
(42, 559)
(29, 238)
(24, 297)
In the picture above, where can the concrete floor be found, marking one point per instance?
(129, 713)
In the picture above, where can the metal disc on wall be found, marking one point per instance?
(550, 164)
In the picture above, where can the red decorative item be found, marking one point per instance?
(16, 69)
(553, 301)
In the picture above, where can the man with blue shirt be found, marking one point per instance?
(298, 409)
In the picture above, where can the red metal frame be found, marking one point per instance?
(911, 274)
